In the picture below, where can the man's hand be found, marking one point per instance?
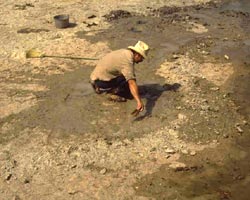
(138, 109)
(140, 106)
(135, 92)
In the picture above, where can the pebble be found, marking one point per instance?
(182, 116)
(72, 192)
(141, 154)
(193, 153)
(8, 177)
(175, 56)
(214, 89)
(226, 57)
(178, 107)
(103, 171)
(184, 151)
(73, 166)
(170, 151)
(225, 95)
(205, 52)
(239, 129)
(177, 165)
(26, 180)
(91, 16)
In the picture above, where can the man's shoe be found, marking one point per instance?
(96, 88)
(116, 98)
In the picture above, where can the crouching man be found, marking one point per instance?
(114, 73)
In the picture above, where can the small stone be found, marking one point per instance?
(182, 116)
(184, 151)
(73, 166)
(225, 96)
(26, 180)
(177, 165)
(193, 153)
(175, 56)
(91, 16)
(141, 154)
(245, 122)
(103, 171)
(167, 156)
(153, 149)
(239, 129)
(205, 52)
(178, 108)
(214, 89)
(225, 135)
(92, 24)
(72, 191)
(170, 151)
(8, 177)
(226, 57)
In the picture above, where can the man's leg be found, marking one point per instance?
(102, 86)
(112, 86)
(116, 86)
(123, 88)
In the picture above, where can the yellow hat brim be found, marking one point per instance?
(136, 50)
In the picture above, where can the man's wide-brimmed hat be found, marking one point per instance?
(141, 48)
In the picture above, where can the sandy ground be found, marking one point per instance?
(59, 140)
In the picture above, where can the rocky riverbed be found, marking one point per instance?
(59, 140)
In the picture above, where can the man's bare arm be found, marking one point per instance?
(135, 92)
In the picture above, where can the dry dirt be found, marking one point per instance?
(59, 140)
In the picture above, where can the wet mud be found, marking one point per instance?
(211, 179)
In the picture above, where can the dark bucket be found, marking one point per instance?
(61, 21)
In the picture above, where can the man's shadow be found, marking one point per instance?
(152, 92)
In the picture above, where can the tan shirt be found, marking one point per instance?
(116, 63)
